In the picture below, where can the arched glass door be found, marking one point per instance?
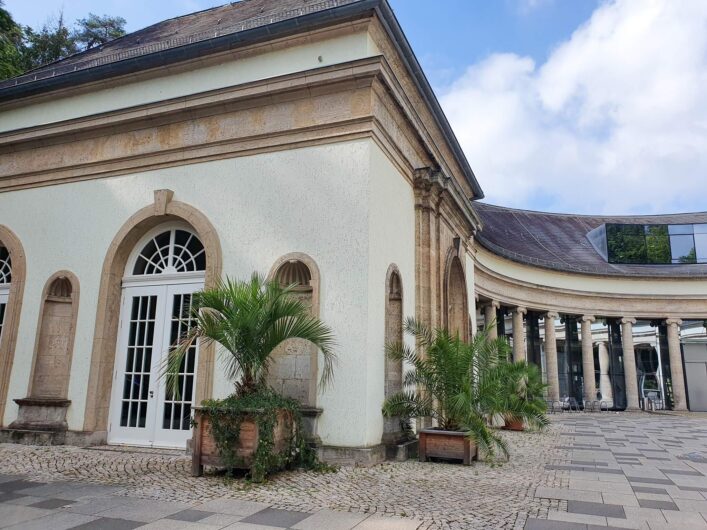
(5, 279)
(165, 270)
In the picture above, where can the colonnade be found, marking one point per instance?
(490, 310)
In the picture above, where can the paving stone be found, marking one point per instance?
(376, 522)
(190, 515)
(620, 499)
(576, 518)
(51, 504)
(684, 519)
(568, 494)
(275, 517)
(544, 524)
(104, 523)
(55, 521)
(11, 514)
(596, 508)
(232, 507)
(660, 505)
(330, 520)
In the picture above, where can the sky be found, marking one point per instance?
(585, 106)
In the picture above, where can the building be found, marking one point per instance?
(301, 139)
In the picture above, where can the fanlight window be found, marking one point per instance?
(5, 266)
(169, 252)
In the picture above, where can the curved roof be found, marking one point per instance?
(559, 241)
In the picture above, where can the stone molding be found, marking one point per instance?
(673, 321)
(552, 315)
(589, 318)
(8, 340)
(511, 292)
(628, 320)
(100, 382)
(521, 310)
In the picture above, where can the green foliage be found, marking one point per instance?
(53, 42)
(463, 385)
(26, 48)
(250, 319)
(96, 30)
(626, 243)
(657, 244)
(228, 414)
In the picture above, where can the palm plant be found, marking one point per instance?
(459, 384)
(524, 394)
(250, 319)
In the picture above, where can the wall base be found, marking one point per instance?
(365, 456)
(402, 451)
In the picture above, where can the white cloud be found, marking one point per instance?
(615, 121)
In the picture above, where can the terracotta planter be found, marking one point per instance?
(205, 452)
(514, 425)
(449, 445)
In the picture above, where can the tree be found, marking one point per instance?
(11, 60)
(464, 385)
(250, 319)
(53, 42)
(96, 30)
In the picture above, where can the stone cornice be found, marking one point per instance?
(511, 292)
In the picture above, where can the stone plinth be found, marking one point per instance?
(41, 414)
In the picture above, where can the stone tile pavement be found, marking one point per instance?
(109, 487)
(629, 471)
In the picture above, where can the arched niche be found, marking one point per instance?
(14, 266)
(455, 298)
(100, 382)
(45, 407)
(393, 380)
(295, 368)
(54, 344)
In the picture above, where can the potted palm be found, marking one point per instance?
(460, 385)
(524, 391)
(254, 428)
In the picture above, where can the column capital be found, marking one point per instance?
(520, 309)
(588, 318)
(552, 315)
(495, 304)
(673, 321)
(628, 320)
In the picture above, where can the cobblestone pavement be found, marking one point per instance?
(630, 471)
(443, 496)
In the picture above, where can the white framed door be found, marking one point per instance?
(153, 318)
(4, 292)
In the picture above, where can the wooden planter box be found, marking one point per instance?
(450, 445)
(205, 452)
(514, 425)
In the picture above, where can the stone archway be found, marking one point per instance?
(13, 308)
(455, 298)
(105, 336)
(393, 370)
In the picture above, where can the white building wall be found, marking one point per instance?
(248, 69)
(320, 200)
(392, 240)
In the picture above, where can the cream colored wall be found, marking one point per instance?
(261, 66)
(590, 284)
(392, 240)
(470, 291)
(314, 200)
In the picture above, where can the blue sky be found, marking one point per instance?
(593, 106)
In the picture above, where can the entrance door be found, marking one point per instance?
(3, 306)
(143, 412)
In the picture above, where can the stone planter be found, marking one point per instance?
(205, 452)
(514, 425)
(448, 445)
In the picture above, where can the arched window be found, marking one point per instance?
(5, 279)
(457, 315)
(170, 251)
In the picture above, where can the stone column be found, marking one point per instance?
(676, 370)
(607, 393)
(590, 390)
(490, 318)
(632, 401)
(519, 334)
(553, 379)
